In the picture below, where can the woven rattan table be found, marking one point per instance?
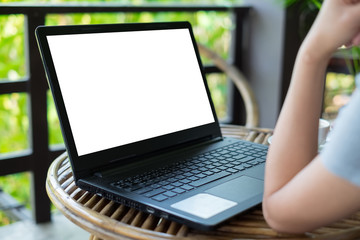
(109, 220)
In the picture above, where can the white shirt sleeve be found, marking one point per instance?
(341, 155)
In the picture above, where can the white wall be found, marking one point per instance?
(265, 53)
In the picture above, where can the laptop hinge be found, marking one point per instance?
(133, 161)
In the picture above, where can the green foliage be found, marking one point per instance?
(218, 85)
(55, 136)
(12, 55)
(309, 4)
(338, 90)
(16, 185)
(4, 220)
(14, 122)
(353, 62)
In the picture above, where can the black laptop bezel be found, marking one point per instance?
(89, 163)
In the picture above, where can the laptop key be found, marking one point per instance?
(177, 184)
(168, 187)
(216, 164)
(169, 194)
(240, 168)
(240, 155)
(154, 192)
(187, 174)
(200, 175)
(155, 184)
(160, 198)
(253, 162)
(187, 187)
(232, 170)
(208, 179)
(247, 159)
(185, 181)
(178, 190)
(222, 168)
(143, 190)
(208, 173)
(229, 165)
(195, 171)
(193, 178)
(216, 170)
(164, 183)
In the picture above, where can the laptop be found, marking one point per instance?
(139, 124)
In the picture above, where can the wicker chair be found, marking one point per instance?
(241, 83)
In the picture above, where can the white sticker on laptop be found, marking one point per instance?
(204, 205)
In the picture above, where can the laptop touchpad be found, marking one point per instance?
(222, 197)
(238, 189)
(204, 205)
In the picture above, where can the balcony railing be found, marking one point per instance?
(38, 157)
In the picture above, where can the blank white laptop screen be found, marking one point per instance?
(123, 87)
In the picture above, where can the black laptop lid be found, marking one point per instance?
(125, 90)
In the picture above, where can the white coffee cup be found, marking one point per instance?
(324, 128)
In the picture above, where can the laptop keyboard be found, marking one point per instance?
(167, 182)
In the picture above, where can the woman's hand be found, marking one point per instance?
(337, 24)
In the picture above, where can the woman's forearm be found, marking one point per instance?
(294, 143)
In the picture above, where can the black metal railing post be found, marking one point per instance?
(38, 121)
(239, 52)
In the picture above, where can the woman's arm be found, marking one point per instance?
(297, 189)
(313, 198)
